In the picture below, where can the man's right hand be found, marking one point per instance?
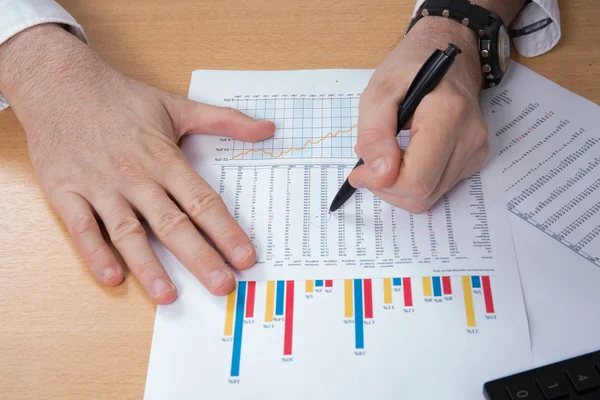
(104, 147)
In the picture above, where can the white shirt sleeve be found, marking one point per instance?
(536, 29)
(18, 15)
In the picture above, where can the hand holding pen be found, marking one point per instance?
(448, 133)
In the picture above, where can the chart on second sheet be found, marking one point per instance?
(548, 156)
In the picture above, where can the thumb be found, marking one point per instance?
(192, 117)
(376, 142)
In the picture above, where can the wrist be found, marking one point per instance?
(436, 32)
(42, 65)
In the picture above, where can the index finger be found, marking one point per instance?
(377, 144)
(208, 211)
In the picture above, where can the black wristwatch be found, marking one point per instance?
(494, 43)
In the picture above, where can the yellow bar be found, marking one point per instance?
(426, 286)
(310, 286)
(387, 290)
(348, 306)
(468, 294)
(230, 312)
(270, 301)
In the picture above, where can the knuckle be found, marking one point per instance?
(485, 149)
(126, 165)
(385, 87)
(458, 102)
(417, 207)
(369, 137)
(228, 121)
(203, 203)
(95, 256)
(65, 183)
(170, 223)
(480, 138)
(231, 234)
(161, 152)
(147, 267)
(230, 113)
(420, 189)
(125, 229)
(206, 257)
(82, 224)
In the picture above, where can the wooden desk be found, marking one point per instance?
(64, 337)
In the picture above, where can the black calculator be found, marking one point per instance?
(572, 379)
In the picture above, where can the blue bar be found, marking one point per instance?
(358, 314)
(319, 282)
(238, 327)
(397, 281)
(279, 298)
(437, 286)
(475, 282)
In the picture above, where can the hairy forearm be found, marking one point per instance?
(438, 32)
(44, 63)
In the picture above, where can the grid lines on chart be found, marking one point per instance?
(316, 126)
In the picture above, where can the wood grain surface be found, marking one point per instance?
(62, 336)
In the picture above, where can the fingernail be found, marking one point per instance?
(217, 278)
(108, 273)
(379, 166)
(241, 254)
(160, 286)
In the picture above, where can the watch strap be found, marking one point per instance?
(476, 18)
(468, 14)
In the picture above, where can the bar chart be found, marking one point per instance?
(358, 312)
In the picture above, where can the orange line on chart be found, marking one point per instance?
(330, 134)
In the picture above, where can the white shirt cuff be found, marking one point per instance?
(535, 30)
(20, 15)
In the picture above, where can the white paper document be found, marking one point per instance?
(370, 302)
(548, 151)
(280, 189)
(549, 155)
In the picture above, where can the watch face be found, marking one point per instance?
(503, 48)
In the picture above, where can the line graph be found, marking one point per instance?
(307, 127)
(322, 126)
(308, 142)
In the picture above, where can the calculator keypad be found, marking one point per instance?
(577, 378)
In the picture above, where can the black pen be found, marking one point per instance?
(428, 77)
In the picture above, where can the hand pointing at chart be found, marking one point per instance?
(104, 148)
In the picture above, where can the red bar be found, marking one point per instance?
(250, 299)
(446, 285)
(289, 318)
(407, 289)
(368, 294)
(329, 283)
(487, 294)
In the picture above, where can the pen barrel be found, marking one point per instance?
(430, 74)
(428, 77)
